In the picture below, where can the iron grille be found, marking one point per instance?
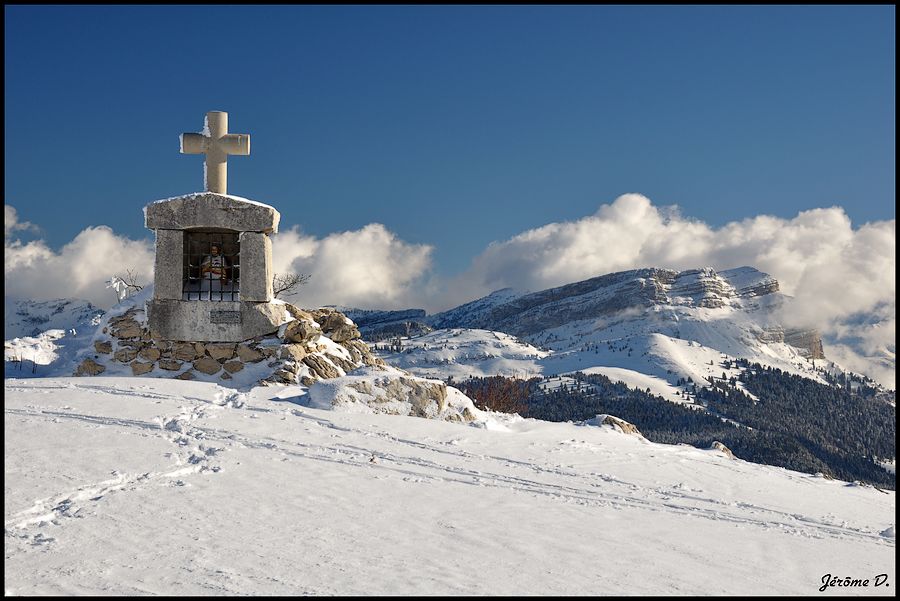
(211, 275)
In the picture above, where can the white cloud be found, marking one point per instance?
(366, 268)
(11, 221)
(79, 270)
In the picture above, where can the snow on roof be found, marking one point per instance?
(193, 194)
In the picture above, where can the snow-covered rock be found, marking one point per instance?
(615, 422)
(393, 392)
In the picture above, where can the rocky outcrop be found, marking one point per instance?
(322, 367)
(809, 341)
(749, 282)
(770, 335)
(390, 391)
(302, 330)
(359, 353)
(335, 325)
(427, 398)
(619, 424)
(718, 446)
(700, 288)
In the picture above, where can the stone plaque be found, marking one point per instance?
(225, 317)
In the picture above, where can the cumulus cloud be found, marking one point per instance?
(79, 270)
(835, 272)
(367, 268)
(11, 223)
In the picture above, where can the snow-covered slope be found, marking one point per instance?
(461, 353)
(168, 487)
(31, 318)
(470, 313)
(38, 333)
(654, 324)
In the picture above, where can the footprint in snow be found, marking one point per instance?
(40, 539)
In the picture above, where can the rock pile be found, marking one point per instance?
(313, 345)
(317, 349)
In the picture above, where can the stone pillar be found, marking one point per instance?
(169, 267)
(256, 267)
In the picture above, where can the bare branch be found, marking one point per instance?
(288, 284)
(131, 281)
(124, 286)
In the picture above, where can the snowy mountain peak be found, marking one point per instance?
(650, 327)
(524, 314)
(748, 281)
(475, 309)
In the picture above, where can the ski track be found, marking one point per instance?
(191, 456)
(194, 454)
(225, 396)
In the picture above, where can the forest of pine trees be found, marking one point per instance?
(796, 423)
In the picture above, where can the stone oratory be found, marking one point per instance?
(213, 271)
(213, 314)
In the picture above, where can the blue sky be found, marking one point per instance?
(453, 126)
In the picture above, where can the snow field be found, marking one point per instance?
(151, 486)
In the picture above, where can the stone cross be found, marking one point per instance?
(216, 143)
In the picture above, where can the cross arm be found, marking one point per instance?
(194, 143)
(235, 144)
